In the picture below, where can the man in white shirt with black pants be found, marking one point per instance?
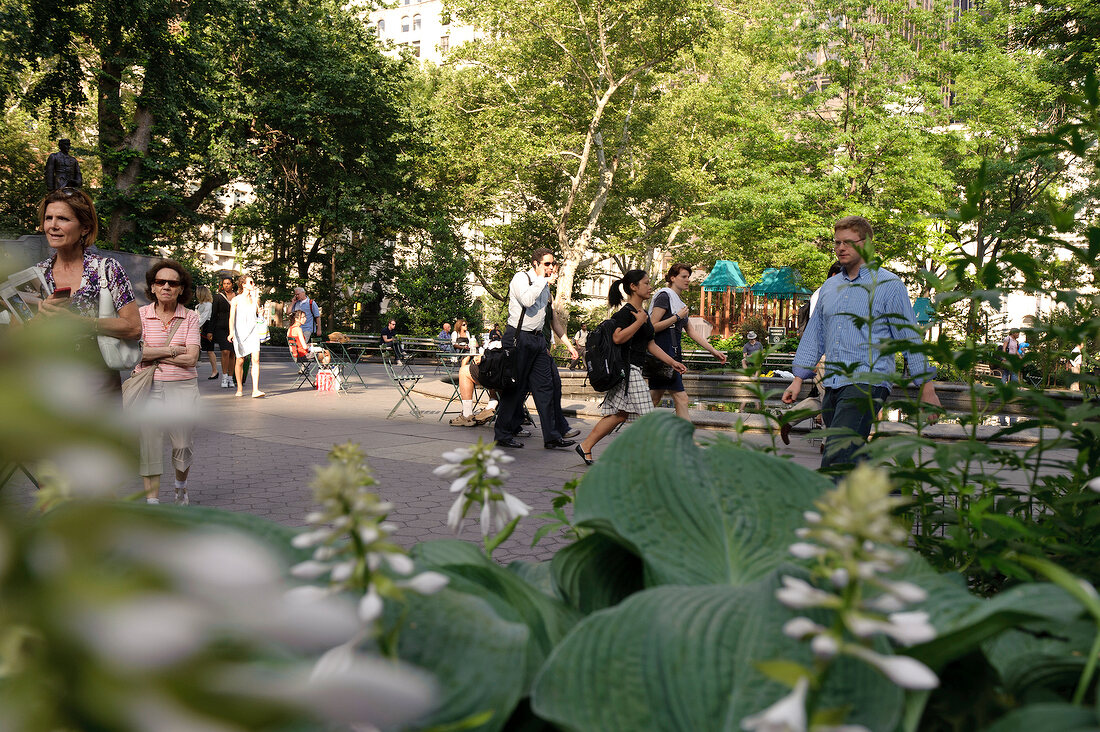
(529, 294)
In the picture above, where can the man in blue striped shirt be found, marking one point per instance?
(858, 302)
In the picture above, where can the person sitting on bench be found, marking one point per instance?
(467, 380)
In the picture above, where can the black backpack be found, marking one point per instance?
(603, 357)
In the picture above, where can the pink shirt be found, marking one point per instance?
(155, 334)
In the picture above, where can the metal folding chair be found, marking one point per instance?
(305, 372)
(405, 379)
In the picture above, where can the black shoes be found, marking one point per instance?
(585, 456)
(509, 442)
(558, 443)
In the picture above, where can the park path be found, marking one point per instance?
(256, 455)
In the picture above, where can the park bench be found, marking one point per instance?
(983, 370)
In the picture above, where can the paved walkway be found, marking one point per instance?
(256, 455)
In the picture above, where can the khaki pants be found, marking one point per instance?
(174, 401)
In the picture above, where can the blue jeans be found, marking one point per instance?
(852, 407)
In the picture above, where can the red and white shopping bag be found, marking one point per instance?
(328, 380)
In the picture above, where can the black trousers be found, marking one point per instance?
(852, 407)
(534, 375)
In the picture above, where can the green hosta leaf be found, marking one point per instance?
(786, 672)
(513, 599)
(1051, 716)
(696, 515)
(538, 575)
(596, 572)
(473, 653)
(685, 658)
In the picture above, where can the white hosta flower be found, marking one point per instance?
(460, 483)
(799, 594)
(824, 646)
(839, 578)
(342, 571)
(906, 628)
(798, 628)
(349, 689)
(458, 455)
(885, 604)
(487, 514)
(425, 583)
(335, 661)
(149, 632)
(806, 550)
(457, 513)
(1094, 485)
(309, 569)
(906, 672)
(515, 507)
(786, 715)
(449, 470)
(911, 628)
(811, 517)
(907, 592)
(307, 539)
(399, 563)
(370, 607)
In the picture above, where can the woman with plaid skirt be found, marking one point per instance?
(629, 399)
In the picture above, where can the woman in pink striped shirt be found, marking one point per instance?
(175, 389)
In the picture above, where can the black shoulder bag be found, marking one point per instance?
(497, 368)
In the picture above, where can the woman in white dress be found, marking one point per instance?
(244, 333)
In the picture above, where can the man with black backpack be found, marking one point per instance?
(528, 298)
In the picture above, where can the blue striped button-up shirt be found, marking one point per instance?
(881, 300)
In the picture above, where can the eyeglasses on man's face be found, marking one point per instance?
(551, 263)
(848, 242)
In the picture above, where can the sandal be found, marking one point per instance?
(585, 456)
(259, 395)
(240, 393)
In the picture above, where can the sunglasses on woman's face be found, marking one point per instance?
(166, 283)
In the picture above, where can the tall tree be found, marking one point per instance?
(163, 106)
(551, 102)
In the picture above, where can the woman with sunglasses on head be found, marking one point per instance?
(244, 332)
(68, 219)
(170, 344)
(629, 399)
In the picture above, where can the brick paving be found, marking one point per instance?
(256, 455)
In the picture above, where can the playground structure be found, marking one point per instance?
(727, 299)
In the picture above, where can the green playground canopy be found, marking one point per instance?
(725, 275)
(780, 282)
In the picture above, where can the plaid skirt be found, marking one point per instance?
(633, 399)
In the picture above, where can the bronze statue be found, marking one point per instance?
(62, 169)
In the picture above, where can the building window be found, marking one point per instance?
(444, 44)
(416, 22)
(416, 48)
(381, 27)
(225, 241)
(405, 24)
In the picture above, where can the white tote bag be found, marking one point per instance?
(118, 354)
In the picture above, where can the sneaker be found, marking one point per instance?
(463, 421)
(522, 433)
(572, 433)
(225, 382)
(182, 499)
(484, 416)
(152, 500)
